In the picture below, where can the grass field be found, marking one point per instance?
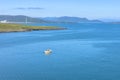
(7, 27)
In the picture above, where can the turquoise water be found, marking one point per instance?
(84, 51)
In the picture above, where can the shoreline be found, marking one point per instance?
(31, 30)
(8, 28)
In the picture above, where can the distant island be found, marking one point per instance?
(8, 27)
(64, 19)
(67, 19)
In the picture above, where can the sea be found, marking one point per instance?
(83, 51)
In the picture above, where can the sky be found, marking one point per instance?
(91, 9)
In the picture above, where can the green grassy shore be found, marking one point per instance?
(8, 27)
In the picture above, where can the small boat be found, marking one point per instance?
(48, 51)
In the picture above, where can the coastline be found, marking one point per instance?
(7, 28)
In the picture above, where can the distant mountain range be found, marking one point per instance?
(20, 18)
(68, 19)
(64, 19)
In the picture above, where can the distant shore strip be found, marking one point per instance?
(7, 27)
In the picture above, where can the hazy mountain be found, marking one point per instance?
(68, 19)
(19, 18)
(64, 19)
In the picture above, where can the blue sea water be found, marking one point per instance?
(85, 51)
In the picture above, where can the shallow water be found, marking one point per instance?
(84, 51)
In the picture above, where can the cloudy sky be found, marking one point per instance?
(91, 9)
